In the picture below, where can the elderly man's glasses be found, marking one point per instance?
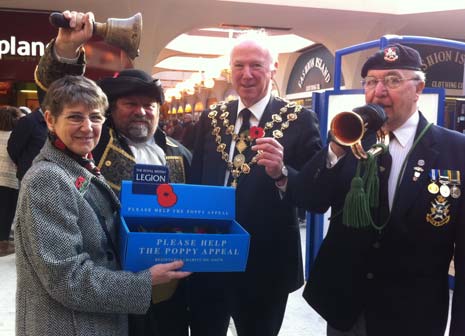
(78, 119)
(391, 82)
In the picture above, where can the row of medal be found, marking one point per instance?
(445, 182)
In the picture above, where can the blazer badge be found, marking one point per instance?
(440, 212)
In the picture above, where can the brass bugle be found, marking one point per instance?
(122, 33)
(348, 129)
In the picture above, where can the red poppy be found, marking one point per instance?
(80, 182)
(256, 132)
(166, 196)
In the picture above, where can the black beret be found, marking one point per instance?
(132, 82)
(394, 56)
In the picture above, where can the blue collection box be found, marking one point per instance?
(193, 223)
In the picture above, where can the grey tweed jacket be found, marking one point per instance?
(68, 277)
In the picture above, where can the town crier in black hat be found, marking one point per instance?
(132, 81)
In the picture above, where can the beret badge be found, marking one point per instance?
(390, 54)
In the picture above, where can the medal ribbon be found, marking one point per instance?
(444, 176)
(455, 177)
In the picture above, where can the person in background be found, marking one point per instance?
(188, 131)
(228, 137)
(130, 135)
(168, 127)
(25, 110)
(177, 130)
(9, 185)
(26, 140)
(391, 277)
(68, 276)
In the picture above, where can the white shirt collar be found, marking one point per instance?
(407, 131)
(258, 108)
(149, 142)
(148, 152)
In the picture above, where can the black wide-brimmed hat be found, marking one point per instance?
(132, 82)
(394, 56)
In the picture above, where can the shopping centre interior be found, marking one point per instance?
(183, 42)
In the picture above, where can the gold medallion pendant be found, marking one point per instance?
(241, 145)
(238, 160)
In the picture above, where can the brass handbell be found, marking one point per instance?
(348, 129)
(122, 33)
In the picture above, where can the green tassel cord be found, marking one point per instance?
(356, 213)
(371, 180)
(363, 194)
(371, 177)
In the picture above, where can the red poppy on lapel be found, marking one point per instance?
(81, 183)
(256, 132)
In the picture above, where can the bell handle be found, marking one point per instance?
(58, 20)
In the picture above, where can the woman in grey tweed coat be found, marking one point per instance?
(68, 277)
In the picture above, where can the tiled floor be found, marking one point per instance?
(300, 319)
(7, 295)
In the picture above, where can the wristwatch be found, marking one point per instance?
(284, 173)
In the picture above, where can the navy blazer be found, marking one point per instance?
(275, 260)
(398, 278)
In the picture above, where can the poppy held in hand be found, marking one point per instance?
(166, 196)
(256, 132)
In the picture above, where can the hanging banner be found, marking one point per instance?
(312, 71)
(444, 67)
(24, 36)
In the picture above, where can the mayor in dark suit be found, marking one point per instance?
(391, 278)
(229, 136)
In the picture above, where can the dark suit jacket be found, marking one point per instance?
(26, 141)
(275, 260)
(188, 136)
(399, 278)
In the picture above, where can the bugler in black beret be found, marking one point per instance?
(132, 81)
(394, 56)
